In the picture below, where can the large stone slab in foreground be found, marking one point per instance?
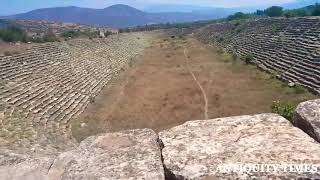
(124, 155)
(307, 118)
(205, 149)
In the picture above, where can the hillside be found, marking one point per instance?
(117, 16)
(287, 48)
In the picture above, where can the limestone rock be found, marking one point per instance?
(291, 84)
(307, 118)
(16, 166)
(131, 154)
(124, 155)
(204, 149)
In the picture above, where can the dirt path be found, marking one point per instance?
(158, 92)
(205, 99)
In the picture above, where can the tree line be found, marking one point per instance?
(13, 33)
(278, 11)
(273, 11)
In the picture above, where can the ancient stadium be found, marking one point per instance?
(222, 99)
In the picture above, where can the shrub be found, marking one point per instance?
(238, 16)
(273, 75)
(70, 34)
(49, 37)
(284, 109)
(316, 10)
(220, 51)
(274, 28)
(38, 40)
(274, 11)
(249, 58)
(7, 53)
(10, 53)
(220, 39)
(295, 13)
(234, 56)
(108, 33)
(260, 12)
(298, 89)
(13, 34)
(238, 30)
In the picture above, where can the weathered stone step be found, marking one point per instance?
(204, 149)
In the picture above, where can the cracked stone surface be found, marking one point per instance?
(133, 154)
(307, 118)
(199, 149)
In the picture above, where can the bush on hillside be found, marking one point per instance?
(249, 58)
(220, 51)
(295, 13)
(220, 39)
(239, 30)
(274, 28)
(13, 34)
(7, 53)
(49, 37)
(90, 34)
(274, 11)
(260, 12)
(78, 33)
(316, 10)
(10, 53)
(71, 34)
(298, 89)
(37, 40)
(238, 16)
(234, 56)
(284, 109)
(108, 33)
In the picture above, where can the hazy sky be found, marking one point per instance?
(18, 6)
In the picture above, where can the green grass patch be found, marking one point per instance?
(284, 109)
(298, 89)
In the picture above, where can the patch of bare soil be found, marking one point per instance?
(158, 92)
(9, 49)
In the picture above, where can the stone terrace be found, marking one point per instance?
(289, 47)
(46, 86)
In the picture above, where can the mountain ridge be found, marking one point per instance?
(117, 16)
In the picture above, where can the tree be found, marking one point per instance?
(249, 59)
(70, 34)
(49, 37)
(274, 11)
(108, 33)
(295, 13)
(260, 12)
(316, 11)
(237, 16)
(13, 34)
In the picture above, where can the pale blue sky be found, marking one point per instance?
(17, 6)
